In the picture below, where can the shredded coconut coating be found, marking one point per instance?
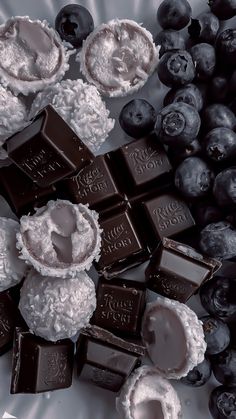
(12, 269)
(56, 308)
(32, 55)
(118, 57)
(60, 239)
(81, 106)
(194, 334)
(144, 385)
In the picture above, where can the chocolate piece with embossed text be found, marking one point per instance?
(120, 306)
(122, 246)
(47, 150)
(105, 359)
(177, 270)
(9, 315)
(40, 365)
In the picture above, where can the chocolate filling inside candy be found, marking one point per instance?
(148, 409)
(165, 339)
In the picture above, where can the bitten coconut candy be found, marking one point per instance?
(168, 324)
(32, 55)
(60, 239)
(148, 395)
(118, 57)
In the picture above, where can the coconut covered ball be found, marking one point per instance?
(12, 269)
(81, 106)
(56, 308)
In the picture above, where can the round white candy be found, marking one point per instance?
(56, 308)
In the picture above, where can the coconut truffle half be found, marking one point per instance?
(173, 336)
(12, 269)
(118, 57)
(147, 395)
(56, 308)
(32, 55)
(60, 239)
(81, 106)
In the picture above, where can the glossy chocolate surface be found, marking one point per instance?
(177, 271)
(48, 149)
(9, 316)
(106, 360)
(39, 365)
(120, 306)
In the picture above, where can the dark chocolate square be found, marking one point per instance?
(168, 215)
(106, 360)
(121, 244)
(94, 185)
(8, 318)
(40, 365)
(120, 306)
(48, 149)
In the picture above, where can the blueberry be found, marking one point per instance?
(219, 89)
(189, 94)
(177, 124)
(226, 47)
(218, 297)
(176, 68)
(222, 402)
(204, 28)
(206, 213)
(174, 14)
(204, 58)
(199, 375)
(194, 178)
(218, 115)
(181, 153)
(74, 23)
(169, 40)
(220, 144)
(218, 240)
(217, 335)
(224, 188)
(224, 367)
(137, 118)
(223, 9)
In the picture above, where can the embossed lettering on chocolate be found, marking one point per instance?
(47, 150)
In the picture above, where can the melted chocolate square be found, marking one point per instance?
(39, 365)
(48, 149)
(9, 316)
(120, 306)
(177, 271)
(106, 360)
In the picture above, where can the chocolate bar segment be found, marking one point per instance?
(94, 185)
(106, 360)
(122, 246)
(39, 365)
(48, 149)
(120, 306)
(177, 271)
(8, 317)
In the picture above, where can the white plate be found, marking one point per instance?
(83, 401)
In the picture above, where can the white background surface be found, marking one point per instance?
(83, 401)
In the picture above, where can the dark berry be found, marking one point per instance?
(137, 118)
(176, 68)
(220, 144)
(194, 178)
(178, 154)
(226, 47)
(217, 335)
(206, 213)
(218, 115)
(199, 375)
(224, 188)
(177, 124)
(189, 94)
(174, 14)
(204, 59)
(204, 28)
(219, 89)
(224, 367)
(74, 23)
(224, 9)
(222, 403)
(218, 297)
(218, 240)
(169, 40)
